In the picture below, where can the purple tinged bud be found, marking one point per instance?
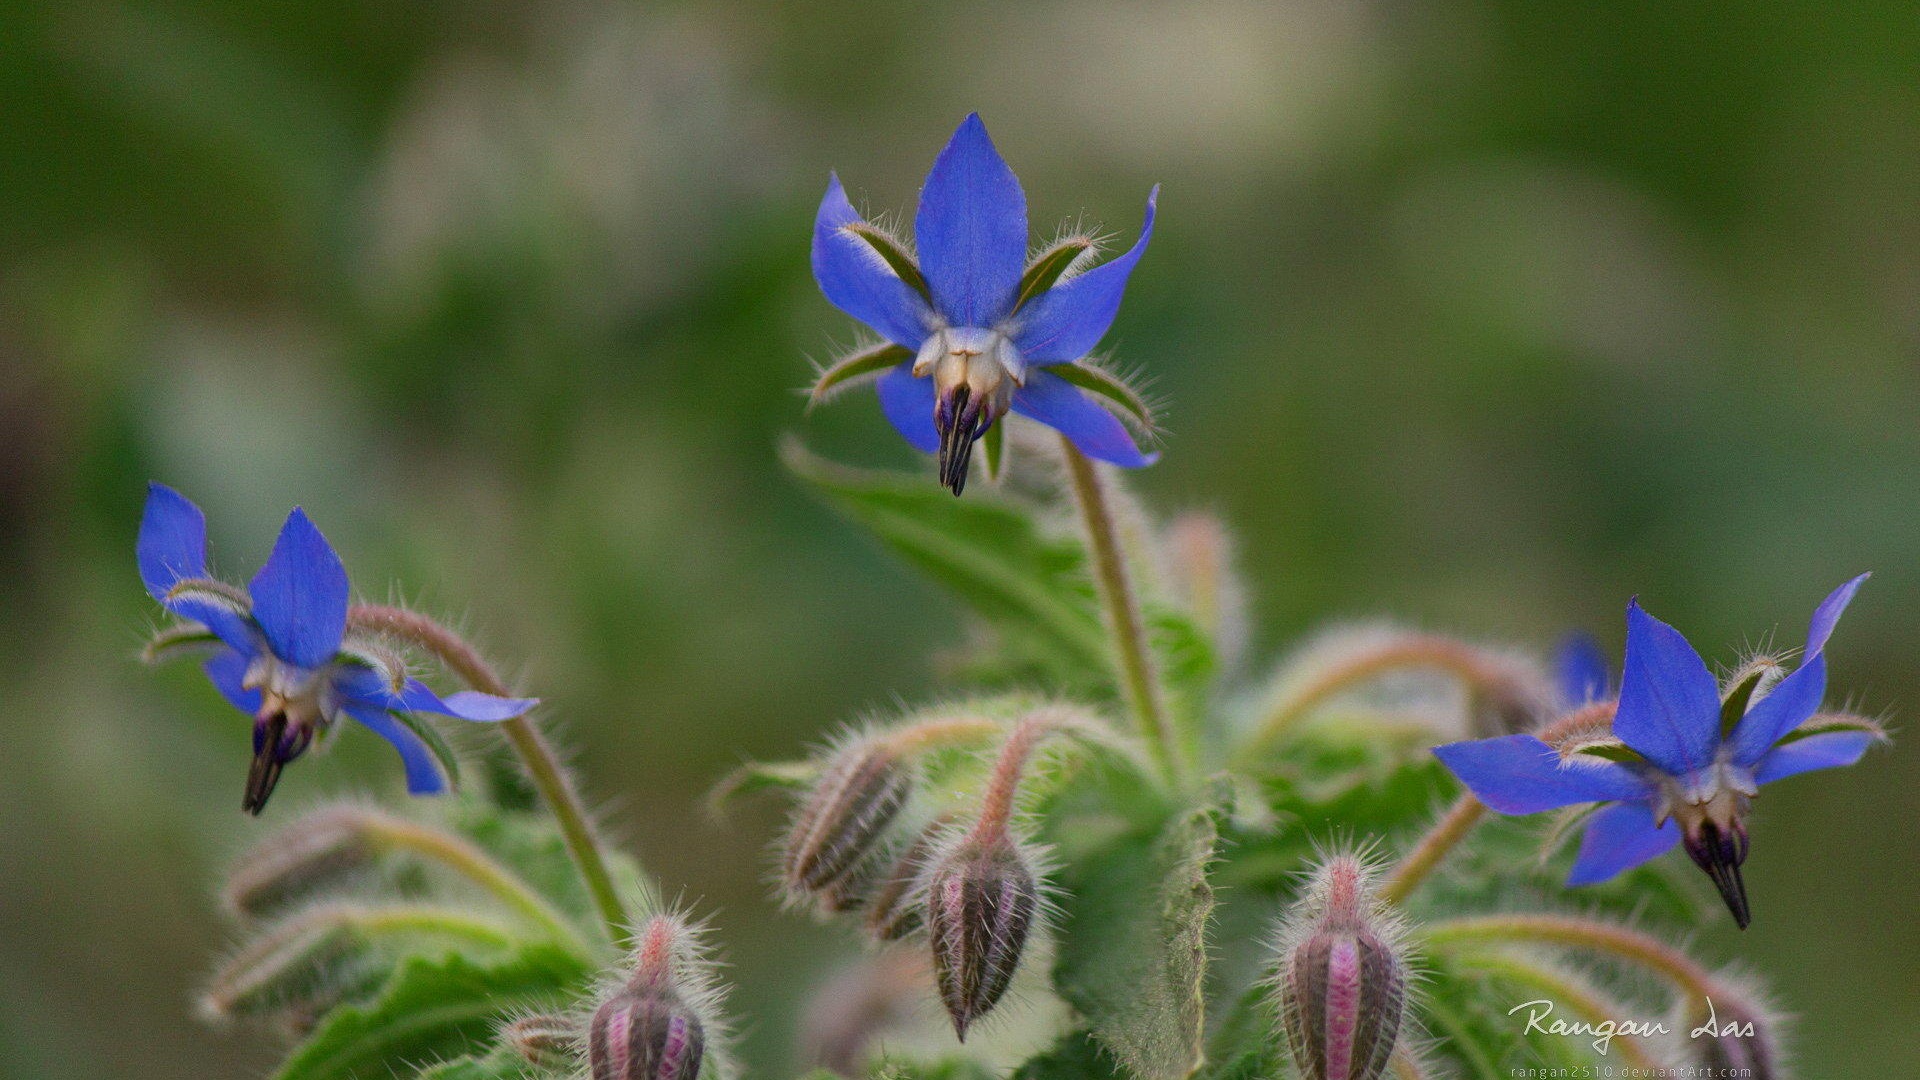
(1739, 1037)
(981, 902)
(891, 911)
(843, 820)
(1343, 977)
(657, 1025)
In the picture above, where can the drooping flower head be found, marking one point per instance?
(1684, 757)
(973, 328)
(282, 649)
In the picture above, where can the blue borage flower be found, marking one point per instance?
(283, 650)
(1681, 758)
(973, 328)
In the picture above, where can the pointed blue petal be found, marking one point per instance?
(858, 281)
(1067, 321)
(971, 230)
(467, 704)
(1519, 774)
(1580, 668)
(423, 770)
(908, 403)
(1827, 750)
(1669, 704)
(300, 596)
(173, 541)
(1620, 838)
(1792, 701)
(227, 671)
(1063, 407)
(1828, 613)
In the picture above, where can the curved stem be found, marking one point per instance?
(1480, 671)
(1579, 997)
(476, 865)
(1619, 941)
(1139, 682)
(1445, 835)
(542, 764)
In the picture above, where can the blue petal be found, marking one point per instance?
(1669, 704)
(300, 596)
(173, 541)
(858, 281)
(1580, 668)
(908, 402)
(1062, 406)
(1796, 698)
(1067, 321)
(1828, 613)
(972, 230)
(1620, 838)
(467, 704)
(227, 671)
(423, 770)
(1519, 774)
(1827, 750)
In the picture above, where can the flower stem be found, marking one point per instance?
(536, 754)
(474, 864)
(1619, 941)
(1139, 683)
(1580, 998)
(1445, 835)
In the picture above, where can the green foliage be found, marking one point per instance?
(431, 1008)
(497, 1065)
(1133, 948)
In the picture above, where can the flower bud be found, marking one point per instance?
(1738, 1035)
(859, 793)
(316, 852)
(547, 1041)
(1343, 977)
(981, 903)
(892, 913)
(656, 1025)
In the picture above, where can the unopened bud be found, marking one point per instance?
(892, 913)
(651, 1027)
(315, 852)
(859, 793)
(1739, 1037)
(981, 903)
(547, 1041)
(1343, 977)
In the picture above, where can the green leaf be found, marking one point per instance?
(849, 370)
(1110, 387)
(433, 1008)
(1133, 953)
(894, 254)
(501, 1064)
(994, 446)
(1076, 1057)
(1046, 267)
(178, 641)
(1248, 1042)
(531, 846)
(988, 550)
(758, 776)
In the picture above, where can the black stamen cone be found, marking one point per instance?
(1720, 855)
(958, 419)
(273, 747)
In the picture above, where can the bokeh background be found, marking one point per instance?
(1485, 315)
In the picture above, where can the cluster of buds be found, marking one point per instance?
(660, 1021)
(973, 890)
(1343, 976)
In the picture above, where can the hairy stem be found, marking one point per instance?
(536, 754)
(996, 803)
(1482, 672)
(1445, 835)
(1139, 682)
(1562, 988)
(474, 864)
(1566, 930)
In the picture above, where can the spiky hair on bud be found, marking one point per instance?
(317, 852)
(1343, 977)
(1736, 1029)
(843, 818)
(544, 1040)
(660, 1016)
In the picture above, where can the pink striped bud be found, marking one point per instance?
(1343, 977)
(981, 903)
(651, 1027)
(843, 820)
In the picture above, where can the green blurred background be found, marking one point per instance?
(1486, 315)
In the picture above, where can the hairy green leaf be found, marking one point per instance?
(851, 369)
(433, 1008)
(498, 1065)
(990, 551)
(1110, 388)
(1045, 269)
(1133, 954)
